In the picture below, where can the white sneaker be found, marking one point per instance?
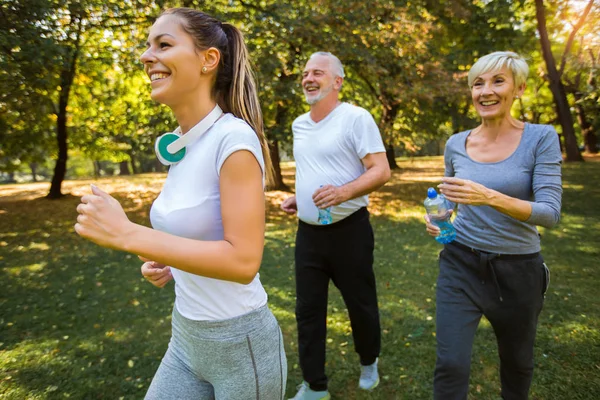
(369, 377)
(306, 393)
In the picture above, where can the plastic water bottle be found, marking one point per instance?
(439, 212)
(324, 215)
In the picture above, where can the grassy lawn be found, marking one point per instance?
(77, 321)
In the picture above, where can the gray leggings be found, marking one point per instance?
(241, 358)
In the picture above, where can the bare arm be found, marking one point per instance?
(236, 258)
(376, 175)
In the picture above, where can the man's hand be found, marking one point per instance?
(329, 195)
(289, 205)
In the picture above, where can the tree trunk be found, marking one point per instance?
(280, 121)
(590, 141)
(66, 80)
(33, 167)
(587, 130)
(558, 90)
(387, 119)
(124, 168)
(134, 168)
(60, 167)
(278, 184)
(589, 137)
(97, 168)
(147, 165)
(158, 166)
(391, 157)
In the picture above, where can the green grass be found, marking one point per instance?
(77, 321)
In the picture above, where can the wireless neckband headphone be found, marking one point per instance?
(170, 147)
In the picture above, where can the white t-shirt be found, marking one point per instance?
(330, 152)
(190, 206)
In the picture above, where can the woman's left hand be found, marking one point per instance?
(464, 191)
(102, 220)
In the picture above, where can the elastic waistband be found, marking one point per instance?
(226, 328)
(486, 265)
(354, 217)
(497, 255)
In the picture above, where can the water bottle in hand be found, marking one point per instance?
(439, 212)
(324, 215)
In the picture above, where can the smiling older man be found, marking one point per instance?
(340, 159)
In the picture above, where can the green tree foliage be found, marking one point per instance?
(71, 75)
(26, 105)
(579, 66)
(55, 45)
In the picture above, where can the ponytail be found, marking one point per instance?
(242, 97)
(235, 87)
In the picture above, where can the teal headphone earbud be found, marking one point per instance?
(162, 152)
(170, 147)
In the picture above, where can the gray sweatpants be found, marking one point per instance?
(241, 358)
(509, 291)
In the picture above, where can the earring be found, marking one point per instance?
(204, 69)
(516, 97)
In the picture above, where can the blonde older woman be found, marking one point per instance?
(505, 176)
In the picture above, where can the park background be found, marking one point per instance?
(77, 321)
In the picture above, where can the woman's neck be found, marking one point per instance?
(495, 127)
(190, 113)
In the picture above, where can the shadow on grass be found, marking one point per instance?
(86, 326)
(77, 320)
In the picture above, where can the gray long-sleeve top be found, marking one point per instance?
(532, 173)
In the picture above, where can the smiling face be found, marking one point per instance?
(318, 80)
(493, 93)
(172, 61)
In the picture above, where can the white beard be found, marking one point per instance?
(320, 96)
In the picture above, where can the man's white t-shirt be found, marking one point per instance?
(330, 152)
(190, 206)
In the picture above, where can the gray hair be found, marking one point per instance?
(338, 68)
(496, 61)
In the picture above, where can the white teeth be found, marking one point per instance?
(157, 76)
(488, 103)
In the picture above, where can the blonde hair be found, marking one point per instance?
(496, 61)
(234, 87)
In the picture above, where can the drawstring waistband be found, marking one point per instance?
(485, 260)
(486, 264)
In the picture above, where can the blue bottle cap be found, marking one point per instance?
(431, 193)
